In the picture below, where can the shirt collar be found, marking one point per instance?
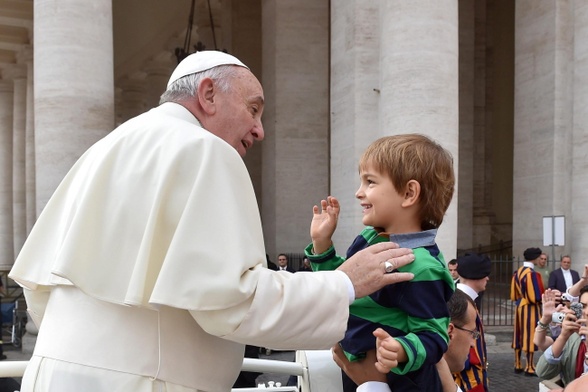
(468, 290)
(529, 264)
(415, 240)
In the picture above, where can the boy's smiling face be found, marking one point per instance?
(381, 203)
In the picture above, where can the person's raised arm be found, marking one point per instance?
(549, 299)
(323, 224)
(568, 327)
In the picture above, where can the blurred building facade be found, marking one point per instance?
(498, 83)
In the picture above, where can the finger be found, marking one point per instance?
(334, 202)
(315, 210)
(400, 257)
(324, 205)
(382, 247)
(383, 369)
(338, 355)
(397, 277)
(380, 334)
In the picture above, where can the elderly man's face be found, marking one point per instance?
(238, 117)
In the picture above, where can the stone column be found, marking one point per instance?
(25, 57)
(18, 74)
(467, 29)
(158, 71)
(73, 85)
(419, 81)
(133, 96)
(543, 140)
(6, 225)
(295, 78)
(355, 100)
(578, 219)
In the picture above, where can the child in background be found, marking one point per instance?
(406, 185)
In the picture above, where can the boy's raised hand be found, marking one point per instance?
(324, 223)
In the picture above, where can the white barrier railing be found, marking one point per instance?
(12, 368)
(326, 376)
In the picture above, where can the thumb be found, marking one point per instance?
(380, 334)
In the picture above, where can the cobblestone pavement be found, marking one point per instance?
(501, 364)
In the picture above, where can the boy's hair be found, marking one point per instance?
(416, 157)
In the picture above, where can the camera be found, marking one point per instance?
(558, 317)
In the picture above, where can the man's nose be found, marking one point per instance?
(258, 132)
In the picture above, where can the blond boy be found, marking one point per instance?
(406, 185)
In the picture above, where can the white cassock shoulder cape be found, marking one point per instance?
(162, 213)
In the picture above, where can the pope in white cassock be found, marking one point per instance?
(146, 269)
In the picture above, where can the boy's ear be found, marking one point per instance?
(206, 95)
(412, 192)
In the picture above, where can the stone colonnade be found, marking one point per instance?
(551, 135)
(337, 75)
(394, 69)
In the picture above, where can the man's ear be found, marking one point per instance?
(412, 192)
(450, 330)
(207, 95)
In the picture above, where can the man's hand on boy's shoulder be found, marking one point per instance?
(367, 268)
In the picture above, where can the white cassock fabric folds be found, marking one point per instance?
(160, 218)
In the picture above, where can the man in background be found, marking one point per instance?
(526, 289)
(543, 269)
(564, 277)
(474, 271)
(283, 263)
(452, 265)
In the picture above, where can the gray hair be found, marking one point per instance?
(187, 86)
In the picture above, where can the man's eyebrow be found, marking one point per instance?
(258, 99)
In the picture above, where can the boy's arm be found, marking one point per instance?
(329, 260)
(425, 304)
(326, 261)
(323, 224)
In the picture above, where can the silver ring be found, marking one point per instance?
(388, 267)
